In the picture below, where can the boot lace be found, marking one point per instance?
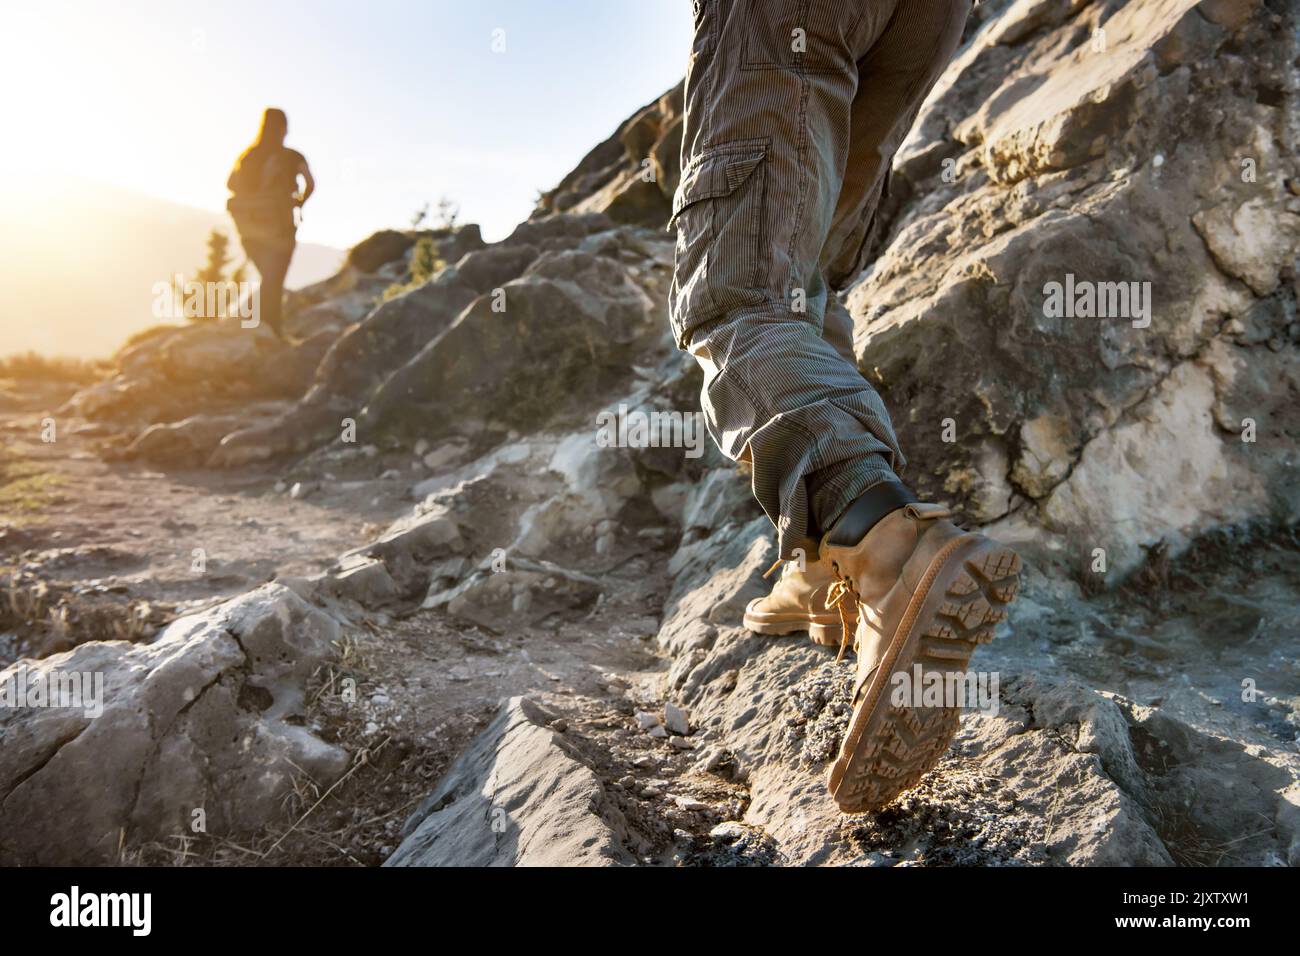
(843, 596)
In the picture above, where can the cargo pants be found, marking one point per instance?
(794, 110)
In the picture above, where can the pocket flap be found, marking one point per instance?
(716, 172)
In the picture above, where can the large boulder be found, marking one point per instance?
(552, 340)
(178, 371)
(382, 357)
(521, 795)
(630, 177)
(203, 725)
(1131, 152)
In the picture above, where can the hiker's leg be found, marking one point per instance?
(259, 255)
(272, 265)
(894, 78)
(766, 138)
(837, 329)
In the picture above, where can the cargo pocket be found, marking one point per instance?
(809, 37)
(718, 215)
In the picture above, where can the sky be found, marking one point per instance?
(394, 102)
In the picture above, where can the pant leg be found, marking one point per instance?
(771, 91)
(837, 329)
(272, 262)
(894, 78)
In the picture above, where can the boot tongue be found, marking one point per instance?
(924, 511)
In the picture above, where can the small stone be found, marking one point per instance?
(515, 454)
(690, 804)
(711, 760)
(876, 859)
(442, 456)
(559, 725)
(729, 831)
(658, 732)
(681, 743)
(645, 719)
(676, 719)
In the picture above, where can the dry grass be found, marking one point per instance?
(27, 489)
(352, 822)
(31, 365)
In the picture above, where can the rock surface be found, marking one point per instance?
(518, 797)
(1147, 698)
(1111, 143)
(203, 720)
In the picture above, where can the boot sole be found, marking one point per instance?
(821, 632)
(888, 747)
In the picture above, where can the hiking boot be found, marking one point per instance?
(926, 593)
(798, 603)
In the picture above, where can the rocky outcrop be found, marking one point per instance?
(454, 338)
(519, 796)
(176, 372)
(1052, 151)
(1137, 437)
(196, 732)
(1119, 150)
(177, 391)
(1054, 774)
(1138, 155)
(630, 177)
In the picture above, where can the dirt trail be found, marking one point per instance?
(427, 682)
(178, 539)
(94, 530)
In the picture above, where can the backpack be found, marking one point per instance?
(260, 214)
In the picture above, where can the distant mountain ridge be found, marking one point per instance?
(81, 261)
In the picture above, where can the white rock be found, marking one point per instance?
(676, 719)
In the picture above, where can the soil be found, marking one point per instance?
(82, 535)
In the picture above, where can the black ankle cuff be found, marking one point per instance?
(872, 505)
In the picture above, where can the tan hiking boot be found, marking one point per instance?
(927, 593)
(798, 603)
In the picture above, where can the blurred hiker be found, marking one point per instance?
(270, 182)
(794, 112)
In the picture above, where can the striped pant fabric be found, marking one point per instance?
(794, 111)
